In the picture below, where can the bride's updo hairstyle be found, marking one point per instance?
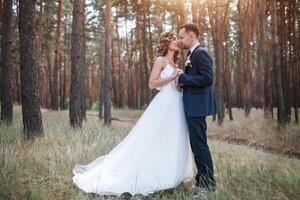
(163, 46)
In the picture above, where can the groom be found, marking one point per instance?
(199, 102)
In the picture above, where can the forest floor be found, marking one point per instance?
(42, 169)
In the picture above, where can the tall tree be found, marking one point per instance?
(49, 24)
(121, 85)
(277, 65)
(285, 68)
(77, 63)
(107, 65)
(129, 53)
(32, 117)
(83, 68)
(56, 68)
(295, 56)
(63, 83)
(218, 18)
(145, 51)
(5, 64)
(245, 13)
(264, 65)
(39, 42)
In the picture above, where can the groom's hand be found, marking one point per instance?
(179, 73)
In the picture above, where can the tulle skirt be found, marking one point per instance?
(155, 155)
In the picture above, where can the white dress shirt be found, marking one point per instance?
(194, 47)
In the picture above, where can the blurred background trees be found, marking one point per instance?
(254, 44)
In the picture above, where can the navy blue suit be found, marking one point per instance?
(199, 101)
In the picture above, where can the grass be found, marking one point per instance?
(254, 130)
(258, 131)
(42, 169)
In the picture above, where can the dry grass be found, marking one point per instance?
(255, 130)
(41, 169)
(258, 131)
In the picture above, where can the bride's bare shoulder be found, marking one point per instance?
(159, 61)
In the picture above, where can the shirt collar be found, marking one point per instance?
(194, 47)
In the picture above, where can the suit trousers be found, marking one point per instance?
(197, 133)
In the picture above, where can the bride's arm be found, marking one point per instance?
(154, 80)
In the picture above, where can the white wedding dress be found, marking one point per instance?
(155, 155)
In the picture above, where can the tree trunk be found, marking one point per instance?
(129, 53)
(121, 70)
(83, 67)
(107, 65)
(48, 58)
(39, 52)
(219, 80)
(63, 83)
(6, 66)
(77, 63)
(296, 57)
(277, 65)
(281, 17)
(56, 68)
(218, 21)
(145, 55)
(49, 9)
(245, 18)
(114, 77)
(101, 77)
(32, 117)
(268, 84)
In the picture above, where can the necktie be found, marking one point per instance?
(189, 52)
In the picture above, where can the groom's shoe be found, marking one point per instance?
(200, 192)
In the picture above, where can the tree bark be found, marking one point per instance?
(145, 54)
(83, 68)
(107, 65)
(277, 66)
(218, 19)
(245, 17)
(65, 69)
(56, 68)
(285, 73)
(39, 52)
(5, 64)
(32, 117)
(121, 82)
(77, 63)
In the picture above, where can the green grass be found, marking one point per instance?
(42, 169)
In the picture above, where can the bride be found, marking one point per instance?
(156, 153)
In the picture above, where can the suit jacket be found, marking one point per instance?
(198, 95)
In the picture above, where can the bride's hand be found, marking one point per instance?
(174, 74)
(180, 71)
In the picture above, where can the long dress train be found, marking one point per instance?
(155, 155)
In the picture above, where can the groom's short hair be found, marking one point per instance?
(191, 27)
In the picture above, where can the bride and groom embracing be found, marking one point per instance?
(168, 144)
